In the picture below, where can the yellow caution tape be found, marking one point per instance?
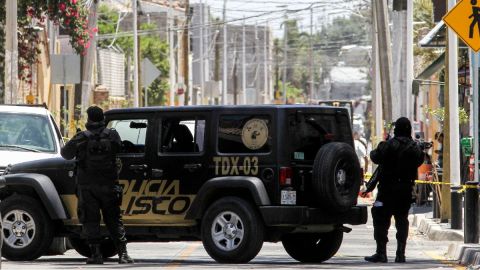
(367, 176)
(431, 182)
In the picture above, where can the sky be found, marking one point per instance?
(272, 11)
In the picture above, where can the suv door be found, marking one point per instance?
(181, 162)
(135, 171)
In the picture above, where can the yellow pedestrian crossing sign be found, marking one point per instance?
(464, 19)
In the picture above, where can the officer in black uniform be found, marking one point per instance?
(399, 157)
(97, 187)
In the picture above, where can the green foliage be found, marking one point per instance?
(353, 29)
(439, 114)
(151, 47)
(294, 95)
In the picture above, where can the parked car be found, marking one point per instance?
(27, 133)
(230, 176)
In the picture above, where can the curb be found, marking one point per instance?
(435, 230)
(464, 254)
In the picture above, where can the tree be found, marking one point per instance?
(71, 15)
(423, 16)
(151, 47)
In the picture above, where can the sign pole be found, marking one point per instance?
(146, 96)
(475, 111)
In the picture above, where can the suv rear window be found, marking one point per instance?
(244, 134)
(308, 132)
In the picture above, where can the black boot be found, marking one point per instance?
(123, 254)
(380, 256)
(400, 258)
(95, 254)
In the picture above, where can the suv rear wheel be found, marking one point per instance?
(232, 231)
(336, 176)
(27, 229)
(312, 247)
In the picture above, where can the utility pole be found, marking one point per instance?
(234, 73)
(11, 53)
(410, 60)
(225, 55)
(135, 55)
(255, 60)
(171, 73)
(266, 92)
(377, 86)
(285, 58)
(216, 73)
(312, 83)
(186, 53)
(452, 134)
(202, 65)
(385, 57)
(277, 68)
(244, 66)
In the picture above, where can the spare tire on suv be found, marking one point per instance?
(336, 176)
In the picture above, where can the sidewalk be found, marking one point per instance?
(465, 254)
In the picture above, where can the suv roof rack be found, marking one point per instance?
(43, 105)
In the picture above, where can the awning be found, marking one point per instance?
(436, 38)
(433, 68)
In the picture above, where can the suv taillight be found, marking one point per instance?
(285, 176)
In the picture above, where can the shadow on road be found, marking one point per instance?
(344, 262)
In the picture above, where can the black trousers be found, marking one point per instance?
(382, 216)
(105, 198)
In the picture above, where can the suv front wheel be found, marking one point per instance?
(27, 230)
(312, 247)
(232, 231)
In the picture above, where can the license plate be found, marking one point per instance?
(289, 197)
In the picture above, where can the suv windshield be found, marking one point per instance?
(26, 132)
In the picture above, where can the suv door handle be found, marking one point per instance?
(157, 173)
(192, 166)
(138, 167)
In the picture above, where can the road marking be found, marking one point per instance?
(437, 257)
(185, 253)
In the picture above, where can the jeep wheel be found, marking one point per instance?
(312, 247)
(336, 176)
(27, 229)
(232, 231)
(106, 246)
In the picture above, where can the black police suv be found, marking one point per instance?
(230, 176)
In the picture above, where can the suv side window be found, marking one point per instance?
(132, 132)
(182, 135)
(244, 134)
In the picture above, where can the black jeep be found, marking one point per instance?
(232, 177)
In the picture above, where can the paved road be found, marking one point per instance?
(421, 254)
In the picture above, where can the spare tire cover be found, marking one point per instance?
(336, 176)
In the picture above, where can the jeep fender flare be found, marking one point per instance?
(43, 187)
(210, 189)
